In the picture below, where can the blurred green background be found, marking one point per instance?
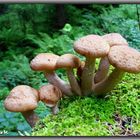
(29, 29)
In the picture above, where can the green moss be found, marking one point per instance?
(91, 116)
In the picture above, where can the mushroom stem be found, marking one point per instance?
(87, 76)
(55, 80)
(102, 70)
(73, 82)
(30, 117)
(105, 86)
(55, 109)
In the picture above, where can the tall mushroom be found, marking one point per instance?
(50, 95)
(92, 47)
(69, 62)
(46, 62)
(112, 39)
(124, 59)
(23, 99)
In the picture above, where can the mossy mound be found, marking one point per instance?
(117, 114)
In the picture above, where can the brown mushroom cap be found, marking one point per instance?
(21, 98)
(125, 58)
(114, 39)
(50, 94)
(68, 61)
(44, 61)
(91, 46)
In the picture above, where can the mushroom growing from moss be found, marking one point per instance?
(124, 59)
(92, 47)
(113, 39)
(50, 95)
(23, 99)
(46, 62)
(69, 62)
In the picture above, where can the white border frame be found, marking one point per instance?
(71, 1)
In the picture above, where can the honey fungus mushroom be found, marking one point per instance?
(46, 62)
(124, 59)
(50, 95)
(113, 39)
(69, 62)
(92, 47)
(23, 99)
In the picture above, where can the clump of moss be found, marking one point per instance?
(116, 114)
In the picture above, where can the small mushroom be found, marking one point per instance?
(92, 47)
(46, 62)
(112, 39)
(69, 62)
(50, 95)
(23, 99)
(124, 59)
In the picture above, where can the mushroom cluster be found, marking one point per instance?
(83, 78)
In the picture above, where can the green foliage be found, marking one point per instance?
(42, 110)
(15, 124)
(22, 19)
(18, 72)
(58, 44)
(87, 22)
(31, 16)
(3, 93)
(123, 20)
(12, 122)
